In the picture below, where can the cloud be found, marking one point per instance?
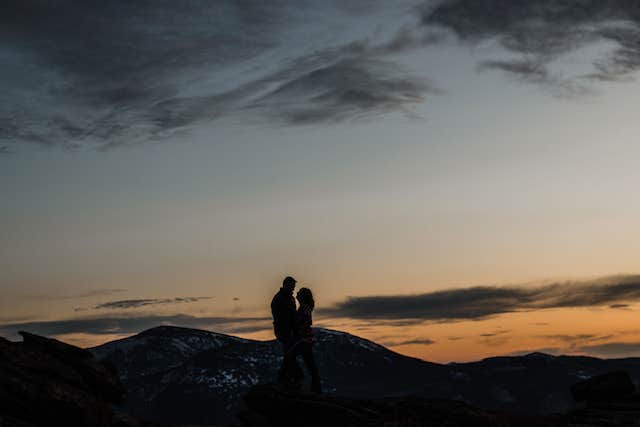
(537, 72)
(495, 338)
(619, 306)
(111, 325)
(532, 71)
(612, 349)
(137, 303)
(481, 302)
(105, 74)
(570, 338)
(540, 32)
(573, 342)
(415, 341)
(348, 89)
(493, 334)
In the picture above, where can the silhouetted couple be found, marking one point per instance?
(293, 330)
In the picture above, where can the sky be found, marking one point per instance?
(453, 179)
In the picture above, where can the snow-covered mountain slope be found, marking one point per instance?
(188, 376)
(159, 349)
(172, 371)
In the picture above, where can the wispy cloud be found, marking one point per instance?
(574, 342)
(494, 334)
(495, 338)
(485, 301)
(347, 89)
(137, 303)
(612, 349)
(619, 306)
(415, 341)
(570, 338)
(182, 65)
(540, 32)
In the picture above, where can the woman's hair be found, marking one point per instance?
(305, 296)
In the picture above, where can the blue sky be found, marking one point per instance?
(368, 149)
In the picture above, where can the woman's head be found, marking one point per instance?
(305, 296)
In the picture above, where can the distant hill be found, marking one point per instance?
(189, 376)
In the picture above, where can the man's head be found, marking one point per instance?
(289, 283)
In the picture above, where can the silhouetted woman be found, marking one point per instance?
(304, 335)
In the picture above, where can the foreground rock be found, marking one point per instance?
(268, 406)
(45, 382)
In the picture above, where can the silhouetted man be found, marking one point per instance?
(283, 310)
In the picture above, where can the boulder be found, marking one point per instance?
(46, 382)
(269, 406)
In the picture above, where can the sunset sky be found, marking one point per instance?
(453, 179)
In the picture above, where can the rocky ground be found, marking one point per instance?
(609, 400)
(45, 382)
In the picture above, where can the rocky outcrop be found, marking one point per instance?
(46, 382)
(269, 406)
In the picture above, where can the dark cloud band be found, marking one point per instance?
(111, 73)
(485, 301)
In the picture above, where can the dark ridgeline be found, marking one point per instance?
(179, 376)
(207, 374)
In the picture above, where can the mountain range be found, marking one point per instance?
(186, 376)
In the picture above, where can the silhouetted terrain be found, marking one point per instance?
(176, 372)
(609, 400)
(191, 376)
(178, 376)
(45, 382)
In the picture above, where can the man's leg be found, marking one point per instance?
(282, 373)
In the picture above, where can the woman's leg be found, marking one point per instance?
(310, 362)
(289, 370)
